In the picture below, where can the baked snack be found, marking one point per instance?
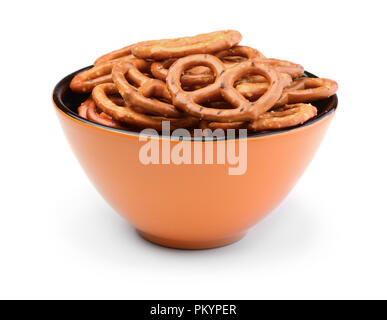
(207, 81)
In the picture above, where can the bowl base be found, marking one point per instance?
(191, 245)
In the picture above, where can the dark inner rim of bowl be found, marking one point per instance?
(68, 101)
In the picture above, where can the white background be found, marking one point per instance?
(59, 239)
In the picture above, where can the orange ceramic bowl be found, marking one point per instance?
(190, 206)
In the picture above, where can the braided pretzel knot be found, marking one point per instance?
(223, 87)
(180, 47)
(142, 97)
(283, 117)
(126, 114)
(101, 73)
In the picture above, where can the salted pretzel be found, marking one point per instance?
(283, 117)
(196, 76)
(88, 110)
(206, 81)
(308, 90)
(123, 52)
(239, 54)
(180, 47)
(127, 115)
(293, 69)
(299, 91)
(200, 75)
(284, 67)
(101, 73)
(253, 90)
(287, 116)
(244, 110)
(144, 95)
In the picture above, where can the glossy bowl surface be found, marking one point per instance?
(190, 206)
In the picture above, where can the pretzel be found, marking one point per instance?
(82, 109)
(287, 116)
(283, 117)
(253, 90)
(141, 97)
(238, 54)
(203, 75)
(127, 115)
(159, 70)
(299, 91)
(251, 79)
(101, 73)
(197, 76)
(125, 51)
(189, 101)
(200, 75)
(219, 104)
(88, 110)
(180, 47)
(206, 81)
(308, 90)
(283, 66)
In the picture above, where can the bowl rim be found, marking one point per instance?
(64, 84)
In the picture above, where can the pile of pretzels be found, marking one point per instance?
(207, 81)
